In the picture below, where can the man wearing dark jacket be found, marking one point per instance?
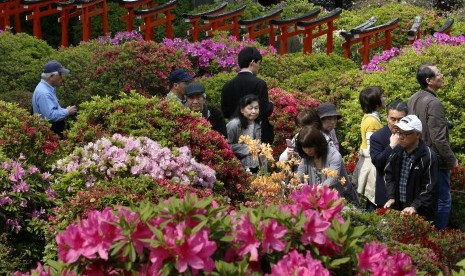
(426, 105)
(411, 172)
(246, 82)
(382, 142)
(196, 101)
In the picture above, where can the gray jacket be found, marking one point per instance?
(430, 111)
(235, 130)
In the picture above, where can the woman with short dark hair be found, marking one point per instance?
(372, 101)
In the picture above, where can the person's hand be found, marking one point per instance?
(389, 203)
(394, 140)
(456, 165)
(409, 210)
(71, 110)
(290, 153)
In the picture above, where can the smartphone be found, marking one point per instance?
(289, 143)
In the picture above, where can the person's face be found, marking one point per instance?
(328, 123)
(393, 117)
(255, 67)
(56, 80)
(310, 151)
(181, 86)
(196, 102)
(407, 139)
(435, 82)
(251, 111)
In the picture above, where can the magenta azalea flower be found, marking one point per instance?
(314, 229)
(295, 263)
(196, 252)
(272, 233)
(245, 235)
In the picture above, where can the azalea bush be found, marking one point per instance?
(120, 156)
(23, 58)
(191, 235)
(161, 121)
(140, 65)
(26, 198)
(21, 133)
(286, 107)
(211, 56)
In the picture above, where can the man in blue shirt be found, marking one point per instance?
(45, 101)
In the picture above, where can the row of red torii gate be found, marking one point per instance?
(310, 25)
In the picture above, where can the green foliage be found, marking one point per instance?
(214, 85)
(21, 133)
(79, 83)
(21, 62)
(291, 65)
(295, 8)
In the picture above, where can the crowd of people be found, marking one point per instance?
(404, 165)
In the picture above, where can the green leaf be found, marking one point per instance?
(337, 262)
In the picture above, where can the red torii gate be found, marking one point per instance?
(285, 26)
(261, 25)
(194, 19)
(85, 10)
(226, 21)
(39, 8)
(365, 37)
(130, 5)
(309, 26)
(152, 19)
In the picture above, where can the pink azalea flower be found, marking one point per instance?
(272, 233)
(245, 235)
(70, 244)
(295, 263)
(314, 229)
(372, 256)
(196, 252)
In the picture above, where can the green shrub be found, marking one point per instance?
(284, 67)
(140, 65)
(79, 60)
(214, 85)
(21, 133)
(161, 121)
(21, 62)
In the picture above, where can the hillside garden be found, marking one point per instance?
(141, 185)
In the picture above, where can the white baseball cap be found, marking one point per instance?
(410, 122)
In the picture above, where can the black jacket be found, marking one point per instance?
(379, 153)
(243, 84)
(216, 119)
(422, 191)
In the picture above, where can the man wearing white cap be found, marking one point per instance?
(411, 172)
(45, 101)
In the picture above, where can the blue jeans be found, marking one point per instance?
(445, 199)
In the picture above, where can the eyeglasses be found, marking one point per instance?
(404, 134)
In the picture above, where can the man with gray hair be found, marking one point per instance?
(196, 101)
(411, 172)
(45, 101)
